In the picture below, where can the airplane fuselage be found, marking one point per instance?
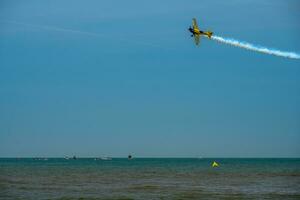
(199, 32)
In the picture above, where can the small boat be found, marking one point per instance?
(103, 158)
(215, 164)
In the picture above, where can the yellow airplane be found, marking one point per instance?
(196, 32)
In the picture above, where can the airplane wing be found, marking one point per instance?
(195, 25)
(197, 39)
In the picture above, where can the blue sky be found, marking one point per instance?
(137, 84)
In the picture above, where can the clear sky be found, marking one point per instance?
(109, 78)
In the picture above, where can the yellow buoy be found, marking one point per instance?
(215, 164)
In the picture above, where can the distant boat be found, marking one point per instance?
(129, 157)
(215, 164)
(74, 158)
(103, 158)
(40, 158)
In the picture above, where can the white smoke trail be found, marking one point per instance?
(252, 47)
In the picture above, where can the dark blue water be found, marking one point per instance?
(140, 178)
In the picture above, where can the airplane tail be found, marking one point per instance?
(209, 34)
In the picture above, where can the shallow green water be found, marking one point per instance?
(149, 179)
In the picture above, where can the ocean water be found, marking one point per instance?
(147, 178)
